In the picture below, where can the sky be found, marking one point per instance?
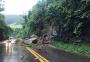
(18, 7)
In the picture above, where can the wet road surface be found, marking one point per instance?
(15, 53)
(56, 55)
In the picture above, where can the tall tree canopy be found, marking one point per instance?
(70, 19)
(4, 29)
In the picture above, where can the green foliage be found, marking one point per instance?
(4, 29)
(79, 48)
(17, 29)
(69, 18)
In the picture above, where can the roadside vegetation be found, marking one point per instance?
(79, 48)
(5, 30)
(64, 20)
(16, 27)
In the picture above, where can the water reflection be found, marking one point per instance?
(8, 48)
(10, 56)
(13, 53)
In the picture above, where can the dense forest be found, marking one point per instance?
(4, 29)
(66, 20)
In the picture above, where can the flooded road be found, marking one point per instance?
(14, 53)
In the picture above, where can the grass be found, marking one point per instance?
(14, 26)
(79, 48)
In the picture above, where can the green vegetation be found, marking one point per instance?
(79, 48)
(66, 20)
(16, 27)
(4, 29)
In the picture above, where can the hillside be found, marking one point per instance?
(9, 19)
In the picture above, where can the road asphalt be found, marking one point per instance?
(15, 53)
(56, 55)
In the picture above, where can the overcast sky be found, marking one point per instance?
(18, 6)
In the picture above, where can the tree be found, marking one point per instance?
(68, 18)
(4, 29)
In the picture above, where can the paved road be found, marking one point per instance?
(55, 55)
(15, 53)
